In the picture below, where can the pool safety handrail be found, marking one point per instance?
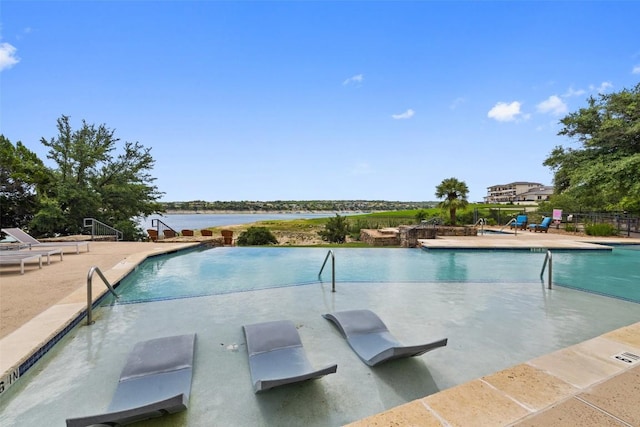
(333, 269)
(482, 222)
(547, 259)
(92, 270)
(512, 220)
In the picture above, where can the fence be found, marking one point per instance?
(626, 224)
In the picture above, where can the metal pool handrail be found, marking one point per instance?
(548, 258)
(515, 228)
(92, 270)
(333, 269)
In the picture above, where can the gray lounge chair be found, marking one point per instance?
(46, 253)
(276, 356)
(26, 238)
(155, 381)
(18, 258)
(371, 340)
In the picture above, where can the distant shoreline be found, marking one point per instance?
(260, 212)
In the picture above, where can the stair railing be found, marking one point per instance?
(161, 227)
(101, 229)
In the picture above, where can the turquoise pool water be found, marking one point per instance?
(232, 269)
(490, 305)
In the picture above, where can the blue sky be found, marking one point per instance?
(307, 100)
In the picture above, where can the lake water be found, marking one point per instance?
(198, 221)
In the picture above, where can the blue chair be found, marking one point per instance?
(543, 226)
(520, 222)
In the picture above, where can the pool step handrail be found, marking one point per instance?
(333, 269)
(511, 221)
(92, 270)
(547, 259)
(481, 222)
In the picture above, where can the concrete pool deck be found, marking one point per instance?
(580, 385)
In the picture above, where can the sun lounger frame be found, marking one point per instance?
(370, 339)
(45, 253)
(27, 239)
(276, 356)
(156, 380)
(20, 259)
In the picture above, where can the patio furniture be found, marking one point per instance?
(370, 339)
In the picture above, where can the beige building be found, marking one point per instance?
(520, 192)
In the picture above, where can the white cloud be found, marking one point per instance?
(504, 112)
(573, 92)
(602, 88)
(553, 105)
(357, 80)
(636, 70)
(26, 31)
(8, 56)
(406, 115)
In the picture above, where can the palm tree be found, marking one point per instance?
(455, 194)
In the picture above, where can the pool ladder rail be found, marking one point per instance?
(481, 222)
(333, 269)
(548, 259)
(92, 270)
(511, 221)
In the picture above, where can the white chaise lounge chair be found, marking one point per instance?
(19, 258)
(276, 356)
(26, 238)
(371, 340)
(155, 381)
(46, 253)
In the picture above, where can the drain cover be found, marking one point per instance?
(627, 357)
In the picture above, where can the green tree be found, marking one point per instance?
(255, 236)
(455, 195)
(91, 181)
(335, 230)
(21, 173)
(604, 172)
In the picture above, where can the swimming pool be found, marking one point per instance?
(492, 322)
(233, 269)
(492, 232)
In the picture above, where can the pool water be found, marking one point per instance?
(491, 305)
(492, 232)
(232, 269)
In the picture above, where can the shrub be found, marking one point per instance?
(255, 236)
(421, 215)
(336, 230)
(570, 228)
(600, 230)
(464, 217)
